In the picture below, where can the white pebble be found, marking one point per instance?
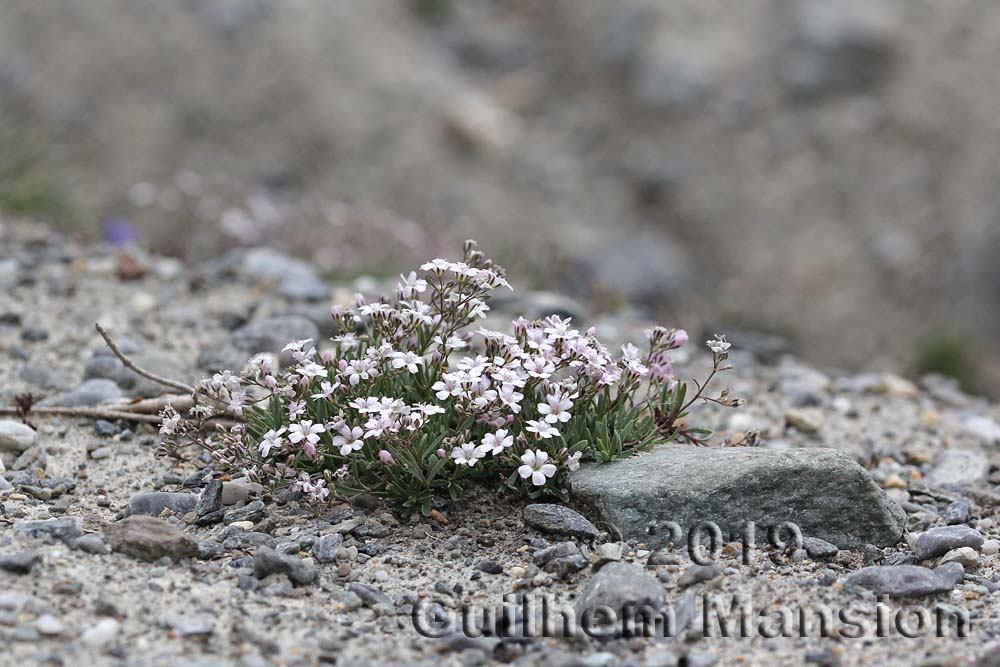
(990, 547)
(100, 635)
(47, 624)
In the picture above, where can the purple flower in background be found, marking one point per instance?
(118, 232)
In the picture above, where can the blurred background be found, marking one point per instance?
(817, 176)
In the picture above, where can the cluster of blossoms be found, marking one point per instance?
(411, 403)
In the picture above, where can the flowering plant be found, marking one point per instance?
(410, 404)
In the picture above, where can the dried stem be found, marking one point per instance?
(166, 382)
(96, 413)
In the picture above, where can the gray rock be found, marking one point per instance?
(939, 541)
(951, 573)
(90, 393)
(326, 547)
(152, 503)
(267, 335)
(105, 428)
(271, 561)
(697, 574)
(903, 581)
(210, 550)
(251, 512)
(839, 50)
(91, 544)
(65, 529)
(825, 493)
(819, 549)
(44, 377)
(561, 550)
(620, 585)
(370, 595)
(236, 492)
(19, 563)
(236, 538)
(295, 278)
(559, 520)
(148, 538)
(958, 468)
(489, 567)
(210, 501)
(16, 437)
(957, 512)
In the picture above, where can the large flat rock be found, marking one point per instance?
(823, 491)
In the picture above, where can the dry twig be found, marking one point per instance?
(166, 382)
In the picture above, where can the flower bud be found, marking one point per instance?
(384, 456)
(441, 453)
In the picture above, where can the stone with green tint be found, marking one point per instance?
(823, 491)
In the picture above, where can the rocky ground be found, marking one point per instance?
(227, 575)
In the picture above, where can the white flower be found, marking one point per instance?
(437, 264)
(366, 404)
(535, 467)
(296, 345)
(361, 369)
(411, 284)
(296, 409)
(718, 345)
(632, 359)
(474, 367)
(305, 430)
(408, 360)
(448, 385)
(510, 397)
(573, 462)
(349, 439)
(538, 367)
(497, 442)
(428, 409)
(272, 440)
(556, 408)
(543, 428)
(236, 399)
(468, 454)
(326, 389)
(378, 425)
(347, 341)
(169, 422)
(312, 370)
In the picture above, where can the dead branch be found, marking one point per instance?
(166, 382)
(96, 413)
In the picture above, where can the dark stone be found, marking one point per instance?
(957, 512)
(819, 549)
(20, 563)
(939, 541)
(251, 512)
(489, 567)
(900, 581)
(326, 547)
(370, 595)
(65, 529)
(271, 561)
(823, 491)
(697, 574)
(559, 520)
(153, 503)
(210, 501)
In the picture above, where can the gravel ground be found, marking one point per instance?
(929, 446)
